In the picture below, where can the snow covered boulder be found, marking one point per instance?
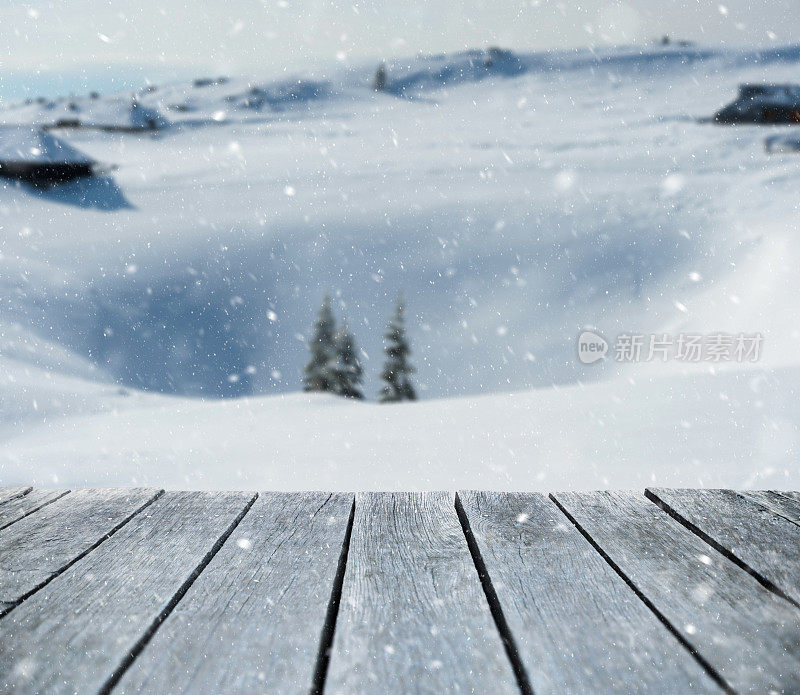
(146, 117)
(116, 115)
(762, 103)
(36, 157)
(782, 143)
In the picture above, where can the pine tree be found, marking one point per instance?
(396, 369)
(348, 373)
(381, 78)
(319, 372)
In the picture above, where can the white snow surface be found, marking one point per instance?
(727, 430)
(514, 200)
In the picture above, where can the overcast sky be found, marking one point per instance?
(74, 44)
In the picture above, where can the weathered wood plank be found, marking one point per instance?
(38, 547)
(74, 634)
(10, 493)
(578, 626)
(413, 615)
(765, 543)
(20, 507)
(750, 636)
(776, 502)
(792, 495)
(254, 617)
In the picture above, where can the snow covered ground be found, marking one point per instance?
(514, 204)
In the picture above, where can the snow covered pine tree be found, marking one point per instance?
(396, 369)
(381, 78)
(320, 370)
(348, 373)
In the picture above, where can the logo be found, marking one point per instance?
(591, 347)
(684, 347)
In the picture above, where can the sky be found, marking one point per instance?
(57, 46)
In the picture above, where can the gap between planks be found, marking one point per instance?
(329, 626)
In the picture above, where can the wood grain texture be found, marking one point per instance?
(41, 545)
(578, 626)
(254, 617)
(20, 507)
(750, 636)
(413, 615)
(777, 502)
(72, 635)
(10, 493)
(766, 543)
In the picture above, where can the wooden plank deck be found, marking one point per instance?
(255, 613)
(41, 546)
(780, 504)
(762, 543)
(145, 591)
(10, 493)
(548, 580)
(412, 607)
(746, 635)
(16, 508)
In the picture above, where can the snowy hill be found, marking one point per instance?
(726, 430)
(514, 199)
(234, 99)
